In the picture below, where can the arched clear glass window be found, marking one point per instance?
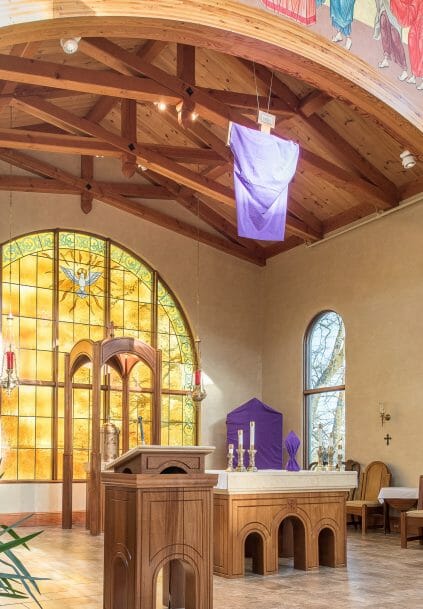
(324, 384)
(61, 287)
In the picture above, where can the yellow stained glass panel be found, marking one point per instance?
(43, 432)
(60, 432)
(43, 464)
(26, 400)
(80, 460)
(45, 270)
(44, 365)
(28, 270)
(10, 298)
(175, 434)
(9, 429)
(81, 434)
(26, 432)
(28, 301)
(27, 333)
(9, 464)
(27, 363)
(44, 303)
(26, 463)
(44, 402)
(9, 403)
(175, 408)
(81, 403)
(44, 334)
(66, 336)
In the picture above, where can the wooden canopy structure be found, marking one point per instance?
(122, 354)
(156, 92)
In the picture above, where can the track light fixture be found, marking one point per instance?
(70, 45)
(408, 160)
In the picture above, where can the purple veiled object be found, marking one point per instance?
(268, 433)
(292, 444)
(263, 167)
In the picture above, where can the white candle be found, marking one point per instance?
(240, 439)
(231, 449)
(252, 434)
(381, 408)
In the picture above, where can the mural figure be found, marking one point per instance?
(302, 11)
(389, 30)
(342, 15)
(410, 14)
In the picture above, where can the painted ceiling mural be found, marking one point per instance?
(387, 34)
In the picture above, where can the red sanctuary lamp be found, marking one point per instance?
(198, 393)
(9, 372)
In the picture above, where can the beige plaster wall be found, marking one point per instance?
(230, 293)
(373, 277)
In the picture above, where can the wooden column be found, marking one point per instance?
(95, 461)
(157, 400)
(67, 452)
(125, 412)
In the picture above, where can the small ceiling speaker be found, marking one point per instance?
(407, 159)
(70, 45)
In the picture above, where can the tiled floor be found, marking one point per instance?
(379, 576)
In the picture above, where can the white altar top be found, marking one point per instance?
(398, 492)
(273, 480)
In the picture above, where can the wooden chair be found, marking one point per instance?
(353, 466)
(414, 520)
(375, 476)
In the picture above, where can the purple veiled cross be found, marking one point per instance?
(264, 164)
(292, 444)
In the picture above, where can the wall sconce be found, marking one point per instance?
(384, 416)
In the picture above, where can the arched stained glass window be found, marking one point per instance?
(324, 391)
(64, 286)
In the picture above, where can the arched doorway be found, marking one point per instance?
(292, 543)
(254, 553)
(176, 586)
(327, 547)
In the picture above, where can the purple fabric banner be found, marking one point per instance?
(263, 167)
(268, 433)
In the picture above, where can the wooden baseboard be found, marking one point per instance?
(41, 519)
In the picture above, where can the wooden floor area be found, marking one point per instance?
(379, 575)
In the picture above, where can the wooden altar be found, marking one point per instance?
(158, 515)
(255, 513)
(122, 354)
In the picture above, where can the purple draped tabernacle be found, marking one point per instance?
(263, 167)
(268, 433)
(292, 444)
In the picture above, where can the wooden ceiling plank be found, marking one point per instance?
(28, 50)
(190, 201)
(313, 102)
(297, 209)
(322, 133)
(185, 63)
(49, 185)
(347, 217)
(249, 102)
(149, 158)
(128, 130)
(45, 73)
(204, 103)
(132, 207)
(87, 174)
(341, 178)
(283, 246)
(412, 188)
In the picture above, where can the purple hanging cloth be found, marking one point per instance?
(292, 444)
(263, 167)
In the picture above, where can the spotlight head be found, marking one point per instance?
(161, 106)
(194, 116)
(70, 45)
(142, 167)
(407, 159)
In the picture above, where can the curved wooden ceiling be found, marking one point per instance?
(102, 102)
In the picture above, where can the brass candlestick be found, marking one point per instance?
(230, 456)
(319, 466)
(252, 460)
(240, 466)
(331, 453)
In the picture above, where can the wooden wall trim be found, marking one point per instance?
(230, 27)
(41, 519)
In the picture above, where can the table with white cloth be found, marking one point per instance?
(401, 498)
(255, 513)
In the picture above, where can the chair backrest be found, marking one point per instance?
(420, 500)
(353, 466)
(375, 476)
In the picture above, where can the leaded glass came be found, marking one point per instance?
(64, 286)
